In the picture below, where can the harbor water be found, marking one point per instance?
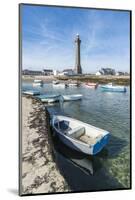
(110, 169)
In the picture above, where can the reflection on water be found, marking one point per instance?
(110, 169)
(83, 172)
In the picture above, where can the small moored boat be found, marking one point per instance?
(78, 135)
(91, 85)
(110, 87)
(59, 85)
(72, 97)
(49, 98)
(31, 92)
(55, 82)
(37, 82)
(72, 84)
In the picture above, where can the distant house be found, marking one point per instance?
(126, 74)
(98, 73)
(55, 72)
(61, 74)
(31, 72)
(67, 72)
(47, 72)
(106, 71)
(120, 73)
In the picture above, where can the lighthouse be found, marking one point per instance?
(78, 69)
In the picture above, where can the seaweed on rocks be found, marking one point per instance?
(39, 172)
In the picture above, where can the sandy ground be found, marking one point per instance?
(39, 171)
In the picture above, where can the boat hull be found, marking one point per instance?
(113, 89)
(91, 85)
(49, 98)
(71, 97)
(55, 82)
(31, 92)
(72, 84)
(37, 84)
(59, 85)
(73, 145)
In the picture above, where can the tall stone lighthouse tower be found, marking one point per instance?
(78, 69)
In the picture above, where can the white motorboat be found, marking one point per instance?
(78, 135)
(72, 97)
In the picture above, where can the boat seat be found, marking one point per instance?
(90, 140)
(76, 132)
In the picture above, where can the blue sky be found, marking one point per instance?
(48, 35)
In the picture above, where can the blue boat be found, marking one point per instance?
(50, 98)
(31, 92)
(113, 88)
(80, 136)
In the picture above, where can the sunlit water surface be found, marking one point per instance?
(106, 110)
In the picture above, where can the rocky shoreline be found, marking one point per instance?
(103, 79)
(40, 173)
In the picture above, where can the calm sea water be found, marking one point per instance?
(109, 111)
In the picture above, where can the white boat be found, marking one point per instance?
(55, 82)
(31, 92)
(91, 85)
(72, 84)
(72, 97)
(59, 85)
(49, 98)
(37, 82)
(78, 135)
(113, 88)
